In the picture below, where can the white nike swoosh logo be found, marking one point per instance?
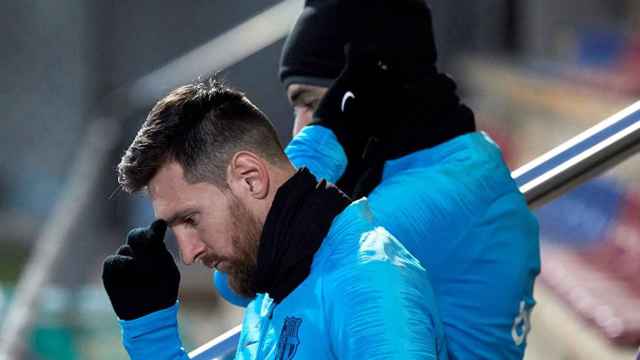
(346, 96)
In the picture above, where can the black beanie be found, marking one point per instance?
(313, 53)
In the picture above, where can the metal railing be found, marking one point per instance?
(543, 179)
(579, 159)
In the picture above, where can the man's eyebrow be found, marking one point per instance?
(179, 216)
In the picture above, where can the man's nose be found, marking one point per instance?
(189, 245)
(303, 117)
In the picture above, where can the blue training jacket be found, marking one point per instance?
(456, 208)
(366, 297)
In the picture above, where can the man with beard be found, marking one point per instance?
(440, 187)
(326, 280)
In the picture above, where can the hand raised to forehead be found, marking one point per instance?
(146, 239)
(142, 277)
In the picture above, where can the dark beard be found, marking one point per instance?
(242, 269)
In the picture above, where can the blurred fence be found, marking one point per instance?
(104, 132)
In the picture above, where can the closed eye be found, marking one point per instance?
(189, 221)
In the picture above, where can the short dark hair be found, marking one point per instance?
(200, 126)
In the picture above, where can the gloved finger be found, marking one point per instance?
(135, 235)
(336, 100)
(115, 266)
(145, 239)
(157, 229)
(125, 250)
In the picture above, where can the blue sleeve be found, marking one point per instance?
(154, 336)
(317, 148)
(383, 307)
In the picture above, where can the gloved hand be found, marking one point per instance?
(344, 114)
(395, 35)
(142, 276)
(390, 62)
(389, 100)
(390, 70)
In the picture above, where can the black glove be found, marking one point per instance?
(395, 35)
(390, 44)
(337, 112)
(390, 63)
(390, 76)
(389, 100)
(142, 276)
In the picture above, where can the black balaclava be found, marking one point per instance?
(313, 53)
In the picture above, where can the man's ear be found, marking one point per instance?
(248, 175)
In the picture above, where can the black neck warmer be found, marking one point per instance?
(432, 115)
(299, 219)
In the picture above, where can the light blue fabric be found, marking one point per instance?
(457, 209)
(317, 148)
(154, 336)
(366, 297)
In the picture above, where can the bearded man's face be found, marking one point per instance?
(210, 225)
(241, 269)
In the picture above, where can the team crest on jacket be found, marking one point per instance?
(289, 340)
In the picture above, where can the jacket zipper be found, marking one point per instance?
(264, 325)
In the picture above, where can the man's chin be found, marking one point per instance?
(241, 286)
(244, 293)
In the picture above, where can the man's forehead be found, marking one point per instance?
(163, 190)
(168, 179)
(170, 192)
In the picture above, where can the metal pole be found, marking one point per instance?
(94, 154)
(588, 154)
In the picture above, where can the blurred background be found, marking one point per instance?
(79, 76)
